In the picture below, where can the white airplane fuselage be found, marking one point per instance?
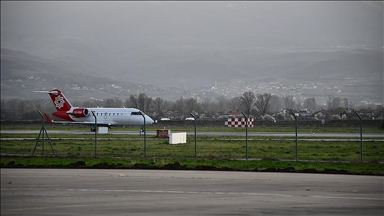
(104, 116)
(114, 116)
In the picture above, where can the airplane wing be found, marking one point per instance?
(69, 122)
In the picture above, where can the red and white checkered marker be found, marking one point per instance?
(239, 122)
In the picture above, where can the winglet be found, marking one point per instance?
(47, 118)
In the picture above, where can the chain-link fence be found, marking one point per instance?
(346, 150)
(210, 147)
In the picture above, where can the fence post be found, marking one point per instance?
(361, 138)
(296, 124)
(246, 136)
(145, 137)
(93, 113)
(194, 117)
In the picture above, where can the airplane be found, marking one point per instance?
(104, 116)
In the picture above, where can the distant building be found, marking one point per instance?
(235, 113)
(305, 114)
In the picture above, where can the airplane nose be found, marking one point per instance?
(148, 120)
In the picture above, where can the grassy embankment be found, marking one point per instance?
(191, 164)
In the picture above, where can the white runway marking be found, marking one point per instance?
(197, 192)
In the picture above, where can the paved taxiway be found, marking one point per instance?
(207, 133)
(162, 192)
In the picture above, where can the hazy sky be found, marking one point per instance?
(148, 41)
(213, 23)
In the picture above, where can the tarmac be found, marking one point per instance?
(164, 192)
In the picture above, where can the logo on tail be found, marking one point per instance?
(59, 102)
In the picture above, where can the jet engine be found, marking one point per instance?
(80, 112)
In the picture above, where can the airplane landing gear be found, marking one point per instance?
(141, 131)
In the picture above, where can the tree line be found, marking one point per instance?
(249, 103)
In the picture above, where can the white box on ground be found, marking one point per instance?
(103, 130)
(177, 138)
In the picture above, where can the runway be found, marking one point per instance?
(207, 133)
(162, 192)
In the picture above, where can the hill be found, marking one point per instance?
(23, 73)
(190, 72)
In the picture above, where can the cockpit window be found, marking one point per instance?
(135, 113)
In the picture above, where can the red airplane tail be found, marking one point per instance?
(59, 100)
(47, 118)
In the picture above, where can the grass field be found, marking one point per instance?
(212, 152)
(189, 126)
(207, 147)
